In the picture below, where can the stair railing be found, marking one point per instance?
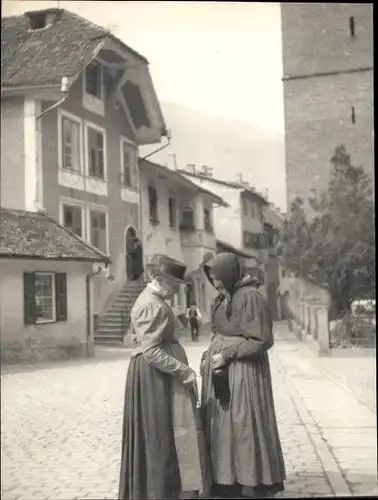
(123, 322)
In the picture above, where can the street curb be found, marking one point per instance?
(336, 479)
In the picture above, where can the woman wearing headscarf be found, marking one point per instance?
(237, 397)
(160, 457)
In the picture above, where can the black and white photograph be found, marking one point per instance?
(187, 250)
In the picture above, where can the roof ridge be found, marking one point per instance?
(106, 32)
(5, 18)
(193, 184)
(81, 18)
(236, 185)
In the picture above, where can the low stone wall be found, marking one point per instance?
(308, 305)
(310, 323)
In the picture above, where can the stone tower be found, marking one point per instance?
(328, 90)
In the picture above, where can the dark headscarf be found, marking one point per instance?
(230, 270)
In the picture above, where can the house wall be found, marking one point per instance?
(226, 218)
(252, 224)
(318, 108)
(20, 342)
(121, 214)
(188, 247)
(300, 289)
(205, 294)
(12, 183)
(159, 238)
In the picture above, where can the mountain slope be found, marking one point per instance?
(230, 146)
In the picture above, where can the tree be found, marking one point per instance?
(337, 248)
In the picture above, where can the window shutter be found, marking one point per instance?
(61, 296)
(29, 299)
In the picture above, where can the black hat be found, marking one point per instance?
(162, 265)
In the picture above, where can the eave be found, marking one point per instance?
(58, 259)
(132, 68)
(179, 179)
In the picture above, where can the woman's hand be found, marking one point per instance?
(190, 381)
(217, 361)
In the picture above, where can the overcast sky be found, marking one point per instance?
(219, 57)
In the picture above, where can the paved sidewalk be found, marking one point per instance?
(61, 426)
(341, 426)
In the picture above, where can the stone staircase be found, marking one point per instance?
(112, 325)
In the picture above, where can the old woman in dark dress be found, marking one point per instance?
(237, 396)
(160, 457)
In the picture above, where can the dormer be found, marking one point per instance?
(93, 88)
(42, 19)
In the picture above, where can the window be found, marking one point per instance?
(259, 213)
(245, 206)
(71, 158)
(353, 116)
(153, 206)
(45, 298)
(187, 219)
(98, 233)
(96, 156)
(128, 159)
(253, 212)
(172, 212)
(72, 219)
(207, 220)
(255, 241)
(352, 32)
(93, 80)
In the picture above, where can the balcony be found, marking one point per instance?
(195, 244)
(197, 238)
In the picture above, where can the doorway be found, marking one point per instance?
(134, 255)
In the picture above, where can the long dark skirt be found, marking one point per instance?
(245, 448)
(149, 467)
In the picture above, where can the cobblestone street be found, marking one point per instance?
(61, 426)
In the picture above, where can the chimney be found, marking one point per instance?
(191, 166)
(207, 171)
(42, 19)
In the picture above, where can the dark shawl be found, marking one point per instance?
(246, 310)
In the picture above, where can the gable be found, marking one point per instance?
(40, 58)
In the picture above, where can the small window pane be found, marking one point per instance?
(72, 219)
(44, 297)
(93, 80)
(98, 230)
(71, 144)
(96, 153)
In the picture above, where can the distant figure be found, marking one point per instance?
(193, 316)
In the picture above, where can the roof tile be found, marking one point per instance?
(35, 235)
(43, 57)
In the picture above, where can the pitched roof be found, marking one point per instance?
(31, 235)
(181, 179)
(226, 247)
(236, 185)
(274, 218)
(43, 57)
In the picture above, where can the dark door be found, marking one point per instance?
(189, 295)
(134, 256)
(272, 299)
